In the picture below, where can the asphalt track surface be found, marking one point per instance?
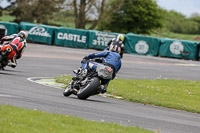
(51, 61)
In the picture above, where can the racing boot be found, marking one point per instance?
(12, 64)
(103, 88)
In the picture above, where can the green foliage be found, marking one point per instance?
(16, 120)
(197, 20)
(39, 11)
(23, 11)
(177, 94)
(45, 9)
(63, 19)
(132, 16)
(178, 23)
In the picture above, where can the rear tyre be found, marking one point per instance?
(1, 58)
(90, 88)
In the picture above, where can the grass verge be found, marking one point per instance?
(176, 36)
(17, 120)
(7, 18)
(176, 94)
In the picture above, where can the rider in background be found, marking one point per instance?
(111, 57)
(118, 41)
(17, 43)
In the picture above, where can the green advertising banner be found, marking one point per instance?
(38, 33)
(10, 28)
(99, 40)
(142, 45)
(73, 38)
(179, 49)
(199, 50)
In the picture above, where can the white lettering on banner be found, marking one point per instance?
(102, 39)
(142, 47)
(39, 31)
(176, 47)
(71, 37)
(3, 27)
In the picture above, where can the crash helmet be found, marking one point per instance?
(23, 34)
(120, 37)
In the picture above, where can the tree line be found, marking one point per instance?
(122, 16)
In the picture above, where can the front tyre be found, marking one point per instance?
(89, 89)
(67, 92)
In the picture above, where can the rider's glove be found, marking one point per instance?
(84, 59)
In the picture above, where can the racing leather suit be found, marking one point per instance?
(111, 59)
(18, 46)
(114, 41)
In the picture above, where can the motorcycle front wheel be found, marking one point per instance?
(67, 92)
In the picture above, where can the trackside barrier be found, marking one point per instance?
(134, 44)
(10, 28)
(142, 45)
(38, 33)
(73, 38)
(198, 51)
(99, 39)
(179, 49)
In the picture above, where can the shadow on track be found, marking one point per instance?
(90, 100)
(7, 73)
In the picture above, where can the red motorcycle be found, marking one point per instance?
(6, 53)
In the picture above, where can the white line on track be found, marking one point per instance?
(4, 95)
(32, 79)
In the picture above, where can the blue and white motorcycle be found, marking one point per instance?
(90, 84)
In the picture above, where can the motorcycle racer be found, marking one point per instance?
(111, 58)
(118, 41)
(17, 43)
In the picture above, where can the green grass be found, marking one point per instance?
(176, 36)
(64, 23)
(7, 18)
(176, 94)
(17, 120)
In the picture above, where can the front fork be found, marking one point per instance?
(76, 85)
(73, 86)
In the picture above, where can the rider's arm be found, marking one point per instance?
(122, 50)
(96, 55)
(21, 49)
(109, 42)
(8, 38)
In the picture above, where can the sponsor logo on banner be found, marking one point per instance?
(176, 47)
(39, 31)
(102, 39)
(3, 27)
(142, 47)
(71, 37)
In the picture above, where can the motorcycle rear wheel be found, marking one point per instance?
(89, 89)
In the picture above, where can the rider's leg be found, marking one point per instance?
(104, 85)
(13, 62)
